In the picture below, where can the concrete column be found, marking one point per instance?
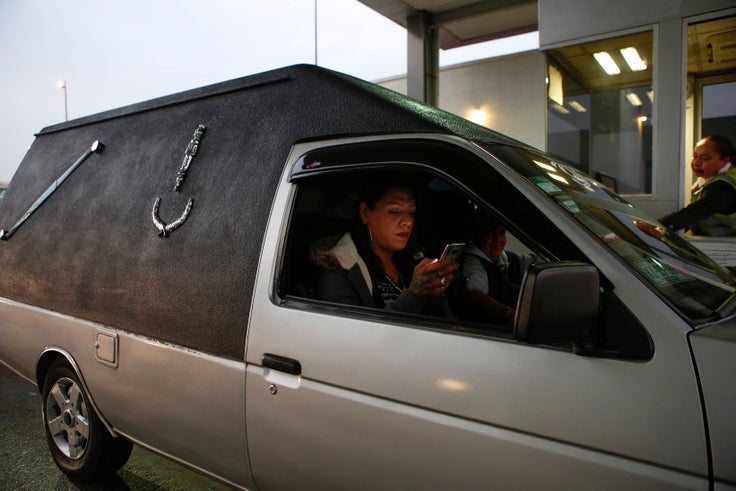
(422, 59)
(669, 109)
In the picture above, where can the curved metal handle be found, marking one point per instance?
(161, 226)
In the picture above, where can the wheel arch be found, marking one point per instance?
(47, 357)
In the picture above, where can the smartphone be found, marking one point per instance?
(453, 250)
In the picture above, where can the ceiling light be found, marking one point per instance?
(607, 63)
(642, 119)
(477, 116)
(633, 99)
(554, 89)
(560, 109)
(631, 55)
(545, 166)
(650, 94)
(577, 106)
(558, 178)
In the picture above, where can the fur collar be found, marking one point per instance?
(339, 252)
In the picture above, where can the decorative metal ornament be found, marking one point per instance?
(163, 228)
(189, 154)
(96, 147)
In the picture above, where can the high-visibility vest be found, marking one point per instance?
(718, 224)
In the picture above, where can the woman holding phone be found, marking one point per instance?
(372, 266)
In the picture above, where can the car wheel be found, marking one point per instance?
(80, 444)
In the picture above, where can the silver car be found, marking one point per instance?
(157, 287)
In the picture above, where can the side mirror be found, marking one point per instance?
(558, 302)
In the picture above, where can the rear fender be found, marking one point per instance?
(47, 357)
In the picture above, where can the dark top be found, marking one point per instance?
(503, 285)
(348, 287)
(717, 197)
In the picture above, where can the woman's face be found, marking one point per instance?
(391, 221)
(706, 160)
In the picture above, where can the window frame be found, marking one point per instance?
(402, 153)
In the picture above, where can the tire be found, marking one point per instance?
(80, 444)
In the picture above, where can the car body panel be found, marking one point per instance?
(159, 395)
(168, 329)
(493, 384)
(713, 348)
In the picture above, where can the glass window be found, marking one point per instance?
(686, 277)
(711, 87)
(718, 116)
(599, 114)
(326, 208)
(329, 185)
(452, 190)
(712, 67)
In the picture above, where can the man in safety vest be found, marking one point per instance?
(713, 207)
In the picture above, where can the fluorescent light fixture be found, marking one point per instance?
(477, 116)
(634, 99)
(650, 94)
(577, 106)
(554, 89)
(544, 166)
(607, 63)
(557, 177)
(631, 55)
(560, 109)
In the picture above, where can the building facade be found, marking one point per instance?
(670, 79)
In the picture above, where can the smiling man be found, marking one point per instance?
(713, 207)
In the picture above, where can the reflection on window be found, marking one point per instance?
(689, 279)
(599, 113)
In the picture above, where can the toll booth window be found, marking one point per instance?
(599, 110)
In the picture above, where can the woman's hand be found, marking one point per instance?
(432, 276)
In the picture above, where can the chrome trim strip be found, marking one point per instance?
(96, 147)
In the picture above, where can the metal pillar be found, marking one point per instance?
(422, 59)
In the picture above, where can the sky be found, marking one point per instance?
(115, 53)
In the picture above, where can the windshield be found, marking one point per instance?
(689, 279)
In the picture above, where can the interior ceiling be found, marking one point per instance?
(579, 63)
(464, 22)
(711, 50)
(711, 46)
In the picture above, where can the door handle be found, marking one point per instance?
(282, 364)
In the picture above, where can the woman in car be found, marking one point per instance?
(372, 266)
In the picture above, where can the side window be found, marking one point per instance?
(329, 263)
(331, 259)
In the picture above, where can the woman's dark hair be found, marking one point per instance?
(723, 146)
(376, 185)
(374, 188)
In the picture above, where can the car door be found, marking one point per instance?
(344, 397)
